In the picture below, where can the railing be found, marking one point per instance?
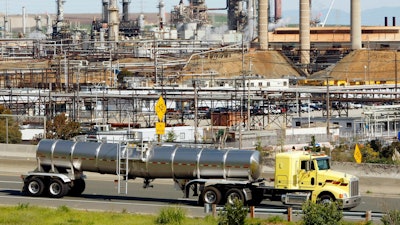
(351, 215)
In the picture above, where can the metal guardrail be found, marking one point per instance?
(367, 215)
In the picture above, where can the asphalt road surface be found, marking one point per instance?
(101, 194)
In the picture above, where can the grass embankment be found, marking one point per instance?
(25, 214)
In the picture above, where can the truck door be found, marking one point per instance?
(307, 175)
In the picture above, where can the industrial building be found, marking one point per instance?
(181, 50)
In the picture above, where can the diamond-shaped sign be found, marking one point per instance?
(160, 108)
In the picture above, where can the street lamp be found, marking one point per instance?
(327, 105)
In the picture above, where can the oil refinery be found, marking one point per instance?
(111, 69)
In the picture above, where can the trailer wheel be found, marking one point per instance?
(78, 187)
(211, 195)
(57, 188)
(34, 187)
(233, 194)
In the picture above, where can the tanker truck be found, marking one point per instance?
(215, 176)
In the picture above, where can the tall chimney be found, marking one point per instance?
(125, 10)
(23, 20)
(114, 21)
(48, 21)
(105, 11)
(38, 23)
(161, 12)
(355, 25)
(250, 20)
(263, 24)
(6, 27)
(305, 33)
(60, 10)
(278, 10)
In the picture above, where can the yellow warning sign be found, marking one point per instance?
(160, 108)
(357, 154)
(160, 128)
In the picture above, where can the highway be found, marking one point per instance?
(101, 195)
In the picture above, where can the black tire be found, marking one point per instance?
(233, 194)
(257, 198)
(210, 195)
(78, 187)
(326, 199)
(57, 188)
(34, 187)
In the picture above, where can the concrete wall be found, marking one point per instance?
(17, 151)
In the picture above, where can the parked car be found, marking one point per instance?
(306, 108)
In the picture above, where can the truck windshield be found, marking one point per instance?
(323, 164)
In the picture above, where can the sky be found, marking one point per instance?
(94, 6)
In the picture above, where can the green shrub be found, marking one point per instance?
(391, 218)
(64, 209)
(171, 215)
(22, 206)
(321, 214)
(233, 214)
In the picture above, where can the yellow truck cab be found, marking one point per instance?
(301, 175)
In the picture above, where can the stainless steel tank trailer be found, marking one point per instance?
(216, 176)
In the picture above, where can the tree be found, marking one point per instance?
(9, 128)
(171, 136)
(122, 74)
(62, 128)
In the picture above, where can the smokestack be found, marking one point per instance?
(278, 10)
(60, 10)
(6, 27)
(161, 12)
(105, 11)
(305, 33)
(263, 24)
(38, 23)
(355, 24)
(250, 20)
(49, 30)
(125, 10)
(23, 20)
(114, 21)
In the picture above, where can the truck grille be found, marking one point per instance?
(354, 190)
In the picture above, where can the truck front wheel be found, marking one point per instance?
(233, 194)
(211, 195)
(326, 199)
(34, 187)
(57, 188)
